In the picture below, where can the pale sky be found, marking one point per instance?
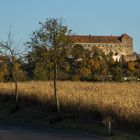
(95, 17)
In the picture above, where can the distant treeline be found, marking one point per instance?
(77, 64)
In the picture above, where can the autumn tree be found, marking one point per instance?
(3, 68)
(53, 38)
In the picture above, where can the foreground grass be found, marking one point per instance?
(86, 106)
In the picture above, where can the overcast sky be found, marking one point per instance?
(95, 17)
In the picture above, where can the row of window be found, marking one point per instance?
(99, 45)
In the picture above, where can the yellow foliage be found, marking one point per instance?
(131, 66)
(85, 71)
(94, 64)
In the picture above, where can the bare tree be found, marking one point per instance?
(9, 50)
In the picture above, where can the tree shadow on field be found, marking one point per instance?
(33, 110)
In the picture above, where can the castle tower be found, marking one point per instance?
(127, 44)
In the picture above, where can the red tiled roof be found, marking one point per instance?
(96, 39)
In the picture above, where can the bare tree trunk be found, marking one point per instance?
(55, 88)
(16, 87)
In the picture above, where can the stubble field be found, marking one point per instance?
(118, 100)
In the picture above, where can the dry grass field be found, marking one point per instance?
(115, 99)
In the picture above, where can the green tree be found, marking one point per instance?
(118, 74)
(41, 71)
(77, 51)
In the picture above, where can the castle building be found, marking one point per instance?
(120, 46)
